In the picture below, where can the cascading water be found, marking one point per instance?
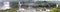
(26, 10)
(5, 6)
(31, 9)
(56, 5)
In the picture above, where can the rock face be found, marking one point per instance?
(13, 4)
(34, 9)
(1, 4)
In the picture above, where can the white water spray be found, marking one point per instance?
(5, 6)
(56, 5)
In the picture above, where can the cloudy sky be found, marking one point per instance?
(44, 0)
(48, 0)
(34, 0)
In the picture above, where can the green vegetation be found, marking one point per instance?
(43, 9)
(14, 9)
(57, 9)
(10, 10)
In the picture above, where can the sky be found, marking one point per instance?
(57, 1)
(48, 0)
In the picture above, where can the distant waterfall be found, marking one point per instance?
(56, 5)
(6, 6)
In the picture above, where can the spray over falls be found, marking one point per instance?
(5, 6)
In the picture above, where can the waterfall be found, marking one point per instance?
(5, 6)
(25, 10)
(20, 6)
(56, 5)
(20, 9)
